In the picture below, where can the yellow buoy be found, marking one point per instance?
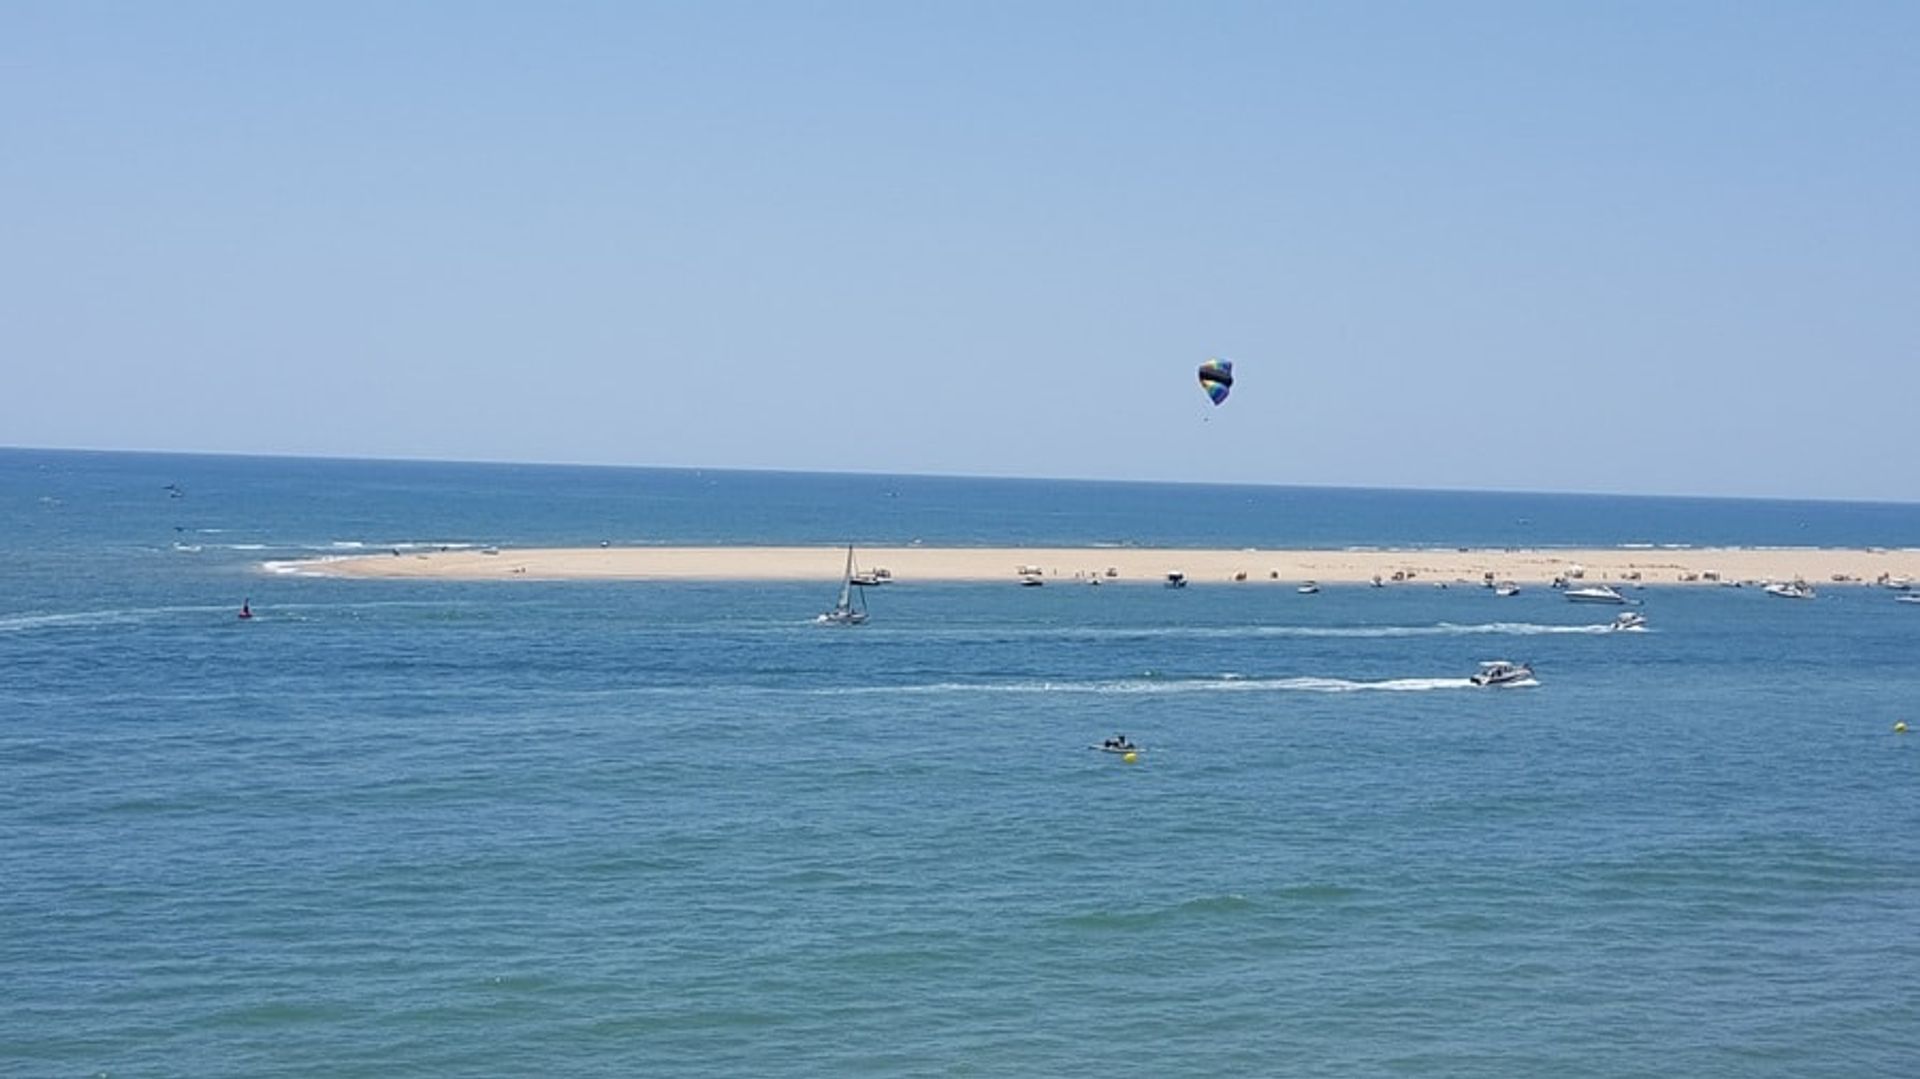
(1131, 758)
(1900, 727)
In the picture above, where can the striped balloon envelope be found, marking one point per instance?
(1216, 377)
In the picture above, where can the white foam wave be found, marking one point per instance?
(299, 567)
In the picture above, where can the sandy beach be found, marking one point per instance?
(1137, 565)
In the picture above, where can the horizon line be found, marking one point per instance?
(632, 467)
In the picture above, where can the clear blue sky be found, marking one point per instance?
(1641, 247)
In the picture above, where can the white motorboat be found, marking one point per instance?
(1790, 590)
(1594, 593)
(1906, 599)
(852, 608)
(1506, 588)
(1031, 580)
(1176, 579)
(1500, 672)
(1308, 589)
(1628, 620)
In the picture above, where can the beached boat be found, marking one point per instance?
(1500, 672)
(852, 608)
(1594, 593)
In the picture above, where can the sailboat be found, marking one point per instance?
(852, 608)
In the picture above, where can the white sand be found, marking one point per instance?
(909, 564)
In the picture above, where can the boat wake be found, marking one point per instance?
(126, 616)
(1439, 629)
(1443, 629)
(1139, 686)
(140, 616)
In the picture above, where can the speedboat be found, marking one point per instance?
(1790, 590)
(1499, 672)
(1031, 580)
(1594, 593)
(1506, 588)
(1308, 589)
(1176, 579)
(1906, 599)
(1628, 620)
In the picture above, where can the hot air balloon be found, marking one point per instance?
(1216, 377)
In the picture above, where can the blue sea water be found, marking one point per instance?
(403, 827)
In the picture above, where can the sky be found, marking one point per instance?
(1638, 247)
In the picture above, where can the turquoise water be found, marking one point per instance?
(674, 829)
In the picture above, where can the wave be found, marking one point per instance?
(298, 567)
(1200, 907)
(345, 548)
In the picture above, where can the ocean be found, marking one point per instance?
(616, 829)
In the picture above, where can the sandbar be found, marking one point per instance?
(908, 564)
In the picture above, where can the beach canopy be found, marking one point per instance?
(1216, 377)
